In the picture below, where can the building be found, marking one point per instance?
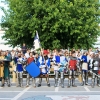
(2, 42)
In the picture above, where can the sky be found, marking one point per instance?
(1, 12)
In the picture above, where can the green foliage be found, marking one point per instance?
(60, 23)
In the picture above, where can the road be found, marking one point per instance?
(50, 93)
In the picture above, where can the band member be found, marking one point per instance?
(59, 67)
(24, 48)
(94, 64)
(29, 60)
(84, 69)
(44, 65)
(6, 70)
(79, 62)
(19, 70)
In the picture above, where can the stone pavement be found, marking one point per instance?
(50, 93)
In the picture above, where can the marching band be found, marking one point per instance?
(61, 63)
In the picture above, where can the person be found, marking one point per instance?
(94, 64)
(29, 60)
(19, 70)
(36, 59)
(97, 50)
(27, 54)
(6, 71)
(79, 62)
(24, 48)
(44, 65)
(72, 67)
(84, 68)
(59, 67)
(1, 65)
(13, 54)
(9, 56)
(98, 82)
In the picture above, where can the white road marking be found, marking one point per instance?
(20, 94)
(56, 89)
(87, 89)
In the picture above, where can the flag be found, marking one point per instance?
(36, 42)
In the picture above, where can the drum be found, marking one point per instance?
(33, 69)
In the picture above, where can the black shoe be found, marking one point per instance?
(8, 85)
(2, 85)
(27, 85)
(86, 83)
(39, 85)
(68, 86)
(48, 85)
(74, 86)
(0, 78)
(18, 85)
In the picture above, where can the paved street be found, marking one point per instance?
(50, 93)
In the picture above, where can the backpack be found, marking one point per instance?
(72, 64)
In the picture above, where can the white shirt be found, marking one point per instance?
(27, 55)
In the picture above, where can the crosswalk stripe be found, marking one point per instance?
(87, 89)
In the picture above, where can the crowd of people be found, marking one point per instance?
(61, 61)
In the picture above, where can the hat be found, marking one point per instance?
(45, 52)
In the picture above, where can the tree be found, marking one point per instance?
(60, 23)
